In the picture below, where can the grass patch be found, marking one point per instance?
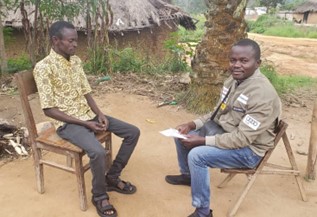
(287, 83)
(272, 25)
(289, 30)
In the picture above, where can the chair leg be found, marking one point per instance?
(294, 166)
(79, 172)
(108, 147)
(301, 187)
(38, 171)
(243, 194)
(226, 180)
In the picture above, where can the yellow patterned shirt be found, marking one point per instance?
(63, 84)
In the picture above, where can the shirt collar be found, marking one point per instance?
(60, 57)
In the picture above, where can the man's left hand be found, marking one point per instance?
(193, 141)
(103, 120)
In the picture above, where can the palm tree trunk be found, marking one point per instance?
(225, 25)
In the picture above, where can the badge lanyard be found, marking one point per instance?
(222, 102)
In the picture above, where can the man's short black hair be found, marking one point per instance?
(57, 27)
(248, 42)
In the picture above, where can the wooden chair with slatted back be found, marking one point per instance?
(266, 168)
(51, 142)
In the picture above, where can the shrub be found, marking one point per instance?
(126, 60)
(264, 22)
(7, 34)
(18, 64)
(98, 62)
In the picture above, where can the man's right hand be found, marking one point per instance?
(185, 128)
(95, 126)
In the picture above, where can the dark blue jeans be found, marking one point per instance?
(86, 139)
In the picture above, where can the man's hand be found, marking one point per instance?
(193, 141)
(95, 126)
(185, 128)
(103, 120)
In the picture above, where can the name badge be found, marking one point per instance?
(237, 109)
(251, 122)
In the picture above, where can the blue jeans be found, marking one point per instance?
(195, 162)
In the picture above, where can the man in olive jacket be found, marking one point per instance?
(249, 109)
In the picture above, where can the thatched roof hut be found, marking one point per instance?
(306, 12)
(307, 6)
(138, 14)
(128, 15)
(142, 24)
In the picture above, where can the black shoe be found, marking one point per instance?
(195, 214)
(178, 179)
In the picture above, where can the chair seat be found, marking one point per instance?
(50, 137)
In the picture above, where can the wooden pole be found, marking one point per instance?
(312, 151)
(3, 57)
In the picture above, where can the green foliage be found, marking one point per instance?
(293, 31)
(287, 83)
(271, 3)
(19, 64)
(178, 50)
(7, 34)
(271, 25)
(172, 65)
(193, 36)
(291, 4)
(263, 23)
(284, 31)
(126, 60)
(191, 6)
(98, 62)
(58, 10)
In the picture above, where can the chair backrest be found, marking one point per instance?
(27, 86)
(280, 131)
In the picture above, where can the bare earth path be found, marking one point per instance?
(155, 156)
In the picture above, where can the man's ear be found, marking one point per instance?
(55, 39)
(259, 61)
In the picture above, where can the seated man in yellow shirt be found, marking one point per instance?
(65, 96)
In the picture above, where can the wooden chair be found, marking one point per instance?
(262, 169)
(51, 142)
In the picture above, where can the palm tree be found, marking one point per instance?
(225, 25)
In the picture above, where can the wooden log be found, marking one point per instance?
(312, 151)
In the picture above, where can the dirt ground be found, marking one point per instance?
(155, 156)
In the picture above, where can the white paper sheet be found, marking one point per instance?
(172, 133)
